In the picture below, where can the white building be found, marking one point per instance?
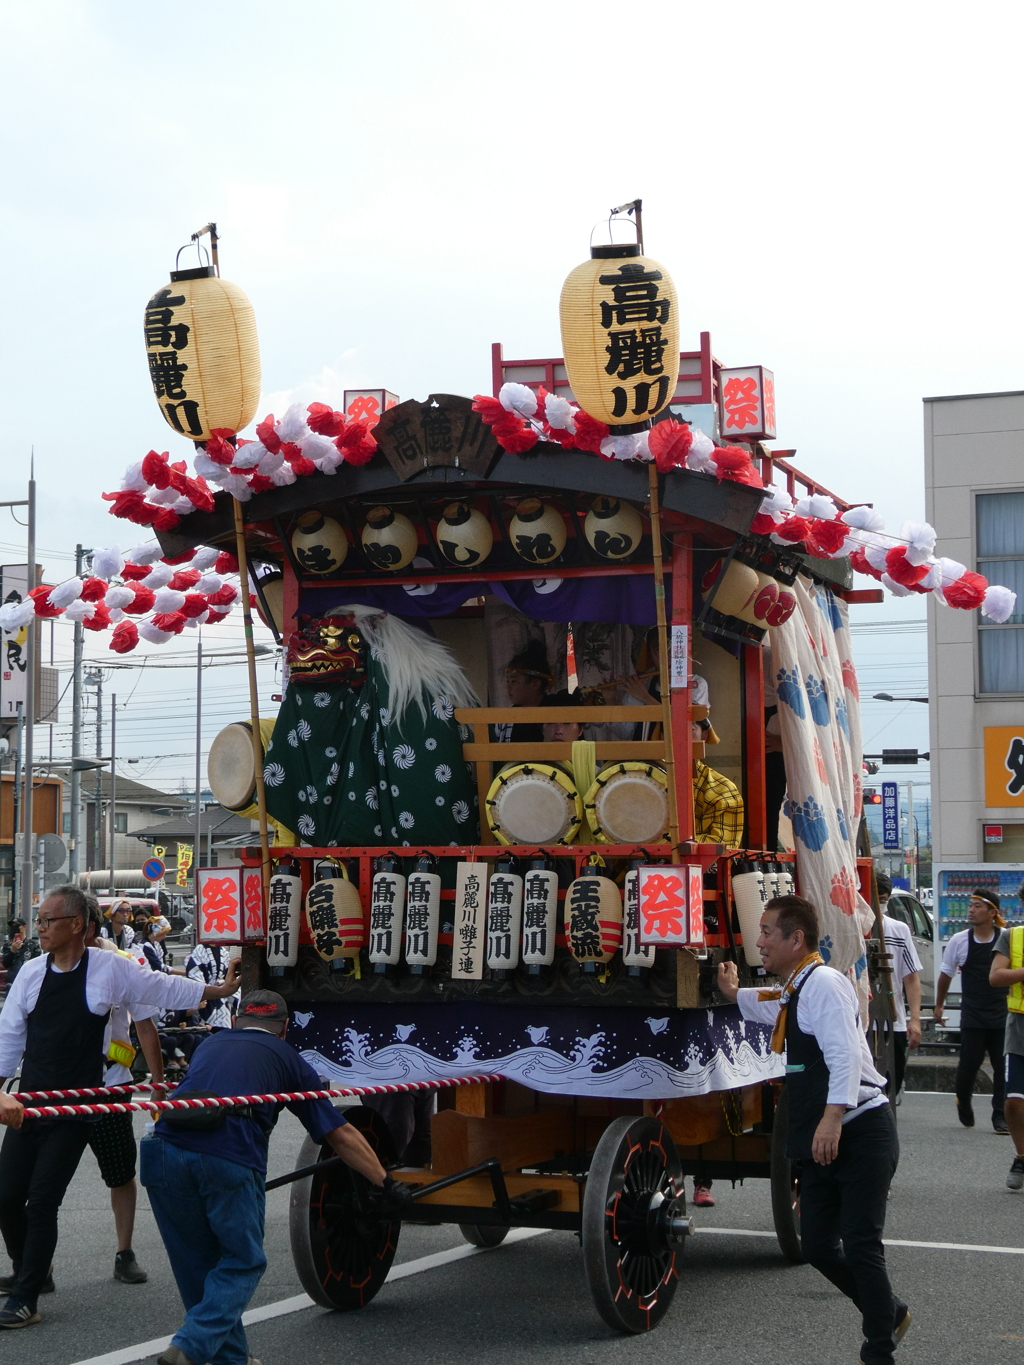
(974, 482)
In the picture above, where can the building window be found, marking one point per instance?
(1000, 522)
(66, 822)
(121, 822)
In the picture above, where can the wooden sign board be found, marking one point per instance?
(443, 431)
(470, 922)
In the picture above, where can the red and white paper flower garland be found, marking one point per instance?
(165, 596)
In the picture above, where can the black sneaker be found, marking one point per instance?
(7, 1283)
(127, 1268)
(17, 1313)
(965, 1114)
(1015, 1180)
(999, 1124)
(903, 1321)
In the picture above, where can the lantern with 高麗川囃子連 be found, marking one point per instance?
(620, 336)
(204, 357)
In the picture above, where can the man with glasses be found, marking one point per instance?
(53, 1024)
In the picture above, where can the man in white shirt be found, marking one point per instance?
(905, 966)
(55, 1017)
(841, 1126)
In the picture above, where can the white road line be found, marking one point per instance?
(889, 1242)
(141, 1350)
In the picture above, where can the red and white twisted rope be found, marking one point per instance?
(56, 1111)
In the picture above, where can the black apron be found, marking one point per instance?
(63, 1038)
(981, 1005)
(807, 1079)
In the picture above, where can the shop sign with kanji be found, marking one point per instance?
(220, 901)
(469, 922)
(671, 906)
(747, 401)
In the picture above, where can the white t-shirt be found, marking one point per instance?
(904, 962)
(113, 981)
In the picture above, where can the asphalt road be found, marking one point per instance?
(738, 1301)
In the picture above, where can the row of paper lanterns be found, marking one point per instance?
(464, 536)
(522, 917)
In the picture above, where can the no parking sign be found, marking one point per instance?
(153, 869)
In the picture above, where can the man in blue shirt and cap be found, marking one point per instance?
(205, 1171)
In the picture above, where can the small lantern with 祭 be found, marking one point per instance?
(613, 528)
(203, 354)
(620, 335)
(537, 531)
(747, 401)
(389, 539)
(319, 543)
(464, 534)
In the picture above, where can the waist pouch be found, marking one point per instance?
(201, 1120)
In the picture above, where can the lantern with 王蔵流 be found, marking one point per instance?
(620, 335)
(203, 353)
(593, 917)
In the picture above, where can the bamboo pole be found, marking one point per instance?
(254, 703)
(663, 654)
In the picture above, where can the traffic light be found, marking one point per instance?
(872, 797)
(870, 768)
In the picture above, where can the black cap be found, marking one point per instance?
(266, 1005)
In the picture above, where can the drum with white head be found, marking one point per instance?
(628, 804)
(534, 803)
(230, 767)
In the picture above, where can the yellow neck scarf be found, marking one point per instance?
(784, 993)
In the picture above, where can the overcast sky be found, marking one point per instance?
(835, 190)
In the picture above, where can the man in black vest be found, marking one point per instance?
(55, 1017)
(841, 1126)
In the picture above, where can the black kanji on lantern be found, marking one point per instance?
(632, 353)
(160, 327)
(642, 402)
(635, 294)
(417, 918)
(327, 943)
(190, 409)
(167, 373)
(584, 908)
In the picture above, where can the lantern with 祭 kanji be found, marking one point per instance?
(220, 900)
(671, 905)
(254, 927)
(746, 398)
(620, 335)
(204, 357)
(368, 405)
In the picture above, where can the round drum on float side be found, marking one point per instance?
(534, 803)
(628, 804)
(230, 769)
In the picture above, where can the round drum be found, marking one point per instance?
(628, 804)
(534, 803)
(230, 768)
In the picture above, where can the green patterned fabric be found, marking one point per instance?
(339, 773)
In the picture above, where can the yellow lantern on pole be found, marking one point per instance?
(620, 335)
(204, 357)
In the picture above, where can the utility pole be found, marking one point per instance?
(911, 839)
(113, 781)
(199, 769)
(97, 823)
(75, 831)
(28, 852)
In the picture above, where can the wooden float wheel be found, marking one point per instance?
(785, 1186)
(634, 1223)
(342, 1253)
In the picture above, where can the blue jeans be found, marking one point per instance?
(210, 1213)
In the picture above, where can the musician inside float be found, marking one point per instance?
(562, 731)
(528, 679)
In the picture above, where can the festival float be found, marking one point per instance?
(559, 661)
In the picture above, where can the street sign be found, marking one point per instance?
(901, 757)
(54, 851)
(153, 869)
(890, 815)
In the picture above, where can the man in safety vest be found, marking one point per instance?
(1008, 970)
